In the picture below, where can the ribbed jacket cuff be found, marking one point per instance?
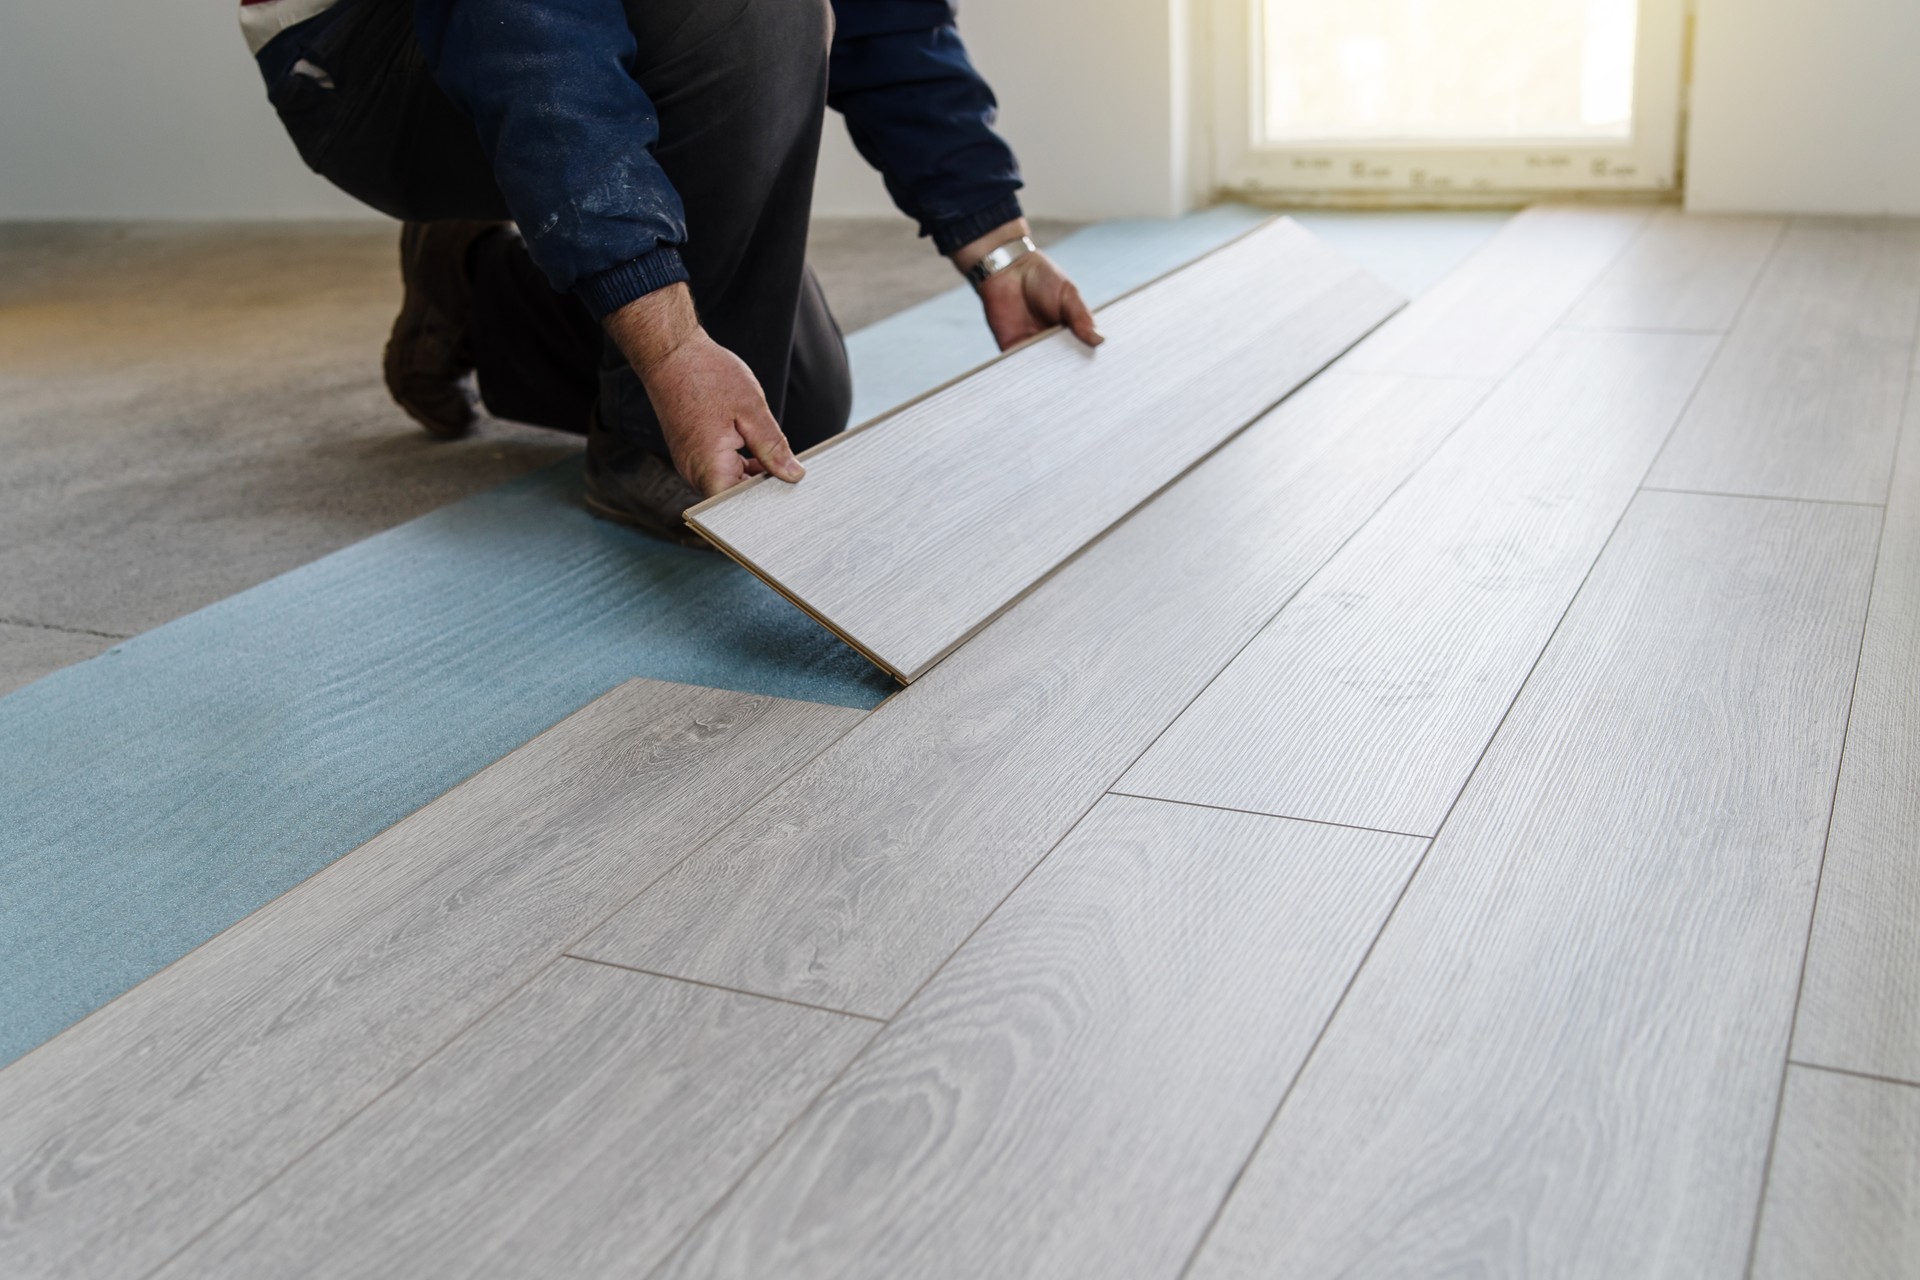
(955, 232)
(609, 291)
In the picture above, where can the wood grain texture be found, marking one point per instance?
(1074, 1092)
(578, 1130)
(1804, 401)
(1564, 1053)
(124, 1136)
(1843, 1195)
(1860, 1006)
(1371, 696)
(851, 883)
(1687, 271)
(910, 534)
(1489, 313)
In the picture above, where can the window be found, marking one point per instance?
(1439, 98)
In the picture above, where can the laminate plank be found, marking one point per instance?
(1481, 320)
(852, 882)
(1074, 1092)
(1688, 271)
(1563, 1055)
(127, 1134)
(1804, 401)
(578, 1130)
(1860, 1006)
(910, 534)
(1843, 1195)
(1369, 699)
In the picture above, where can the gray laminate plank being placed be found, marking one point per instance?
(1843, 1196)
(1564, 1053)
(911, 533)
(578, 1130)
(123, 1137)
(1074, 1092)
(1688, 271)
(1805, 399)
(1369, 699)
(851, 883)
(1489, 313)
(1860, 1007)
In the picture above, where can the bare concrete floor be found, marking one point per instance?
(188, 410)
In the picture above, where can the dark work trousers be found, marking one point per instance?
(740, 87)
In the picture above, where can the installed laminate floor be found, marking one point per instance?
(1860, 1008)
(1805, 400)
(1548, 951)
(1841, 1199)
(1368, 700)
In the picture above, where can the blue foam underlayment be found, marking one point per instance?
(154, 795)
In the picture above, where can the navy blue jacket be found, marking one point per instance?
(570, 131)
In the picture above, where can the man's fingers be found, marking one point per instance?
(706, 478)
(717, 472)
(768, 444)
(1077, 315)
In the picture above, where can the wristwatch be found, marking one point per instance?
(1001, 257)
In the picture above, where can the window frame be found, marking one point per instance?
(1441, 172)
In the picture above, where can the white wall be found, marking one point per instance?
(1805, 106)
(1092, 97)
(152, 109)
(142, 109)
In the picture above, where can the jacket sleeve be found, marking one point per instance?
(922, 116)
(570, 134)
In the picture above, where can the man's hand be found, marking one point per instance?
(709, 403)
(1028, 297)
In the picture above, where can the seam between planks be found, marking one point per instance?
(487, 1012)
(668, 1251)
(1642, 328)
(1262, 813)
(1813, 909)
(330, 1134)
(716, 986)
(1857, 1075)
(1763, 497)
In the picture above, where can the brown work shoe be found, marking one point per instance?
(644, 493)
(427, 365)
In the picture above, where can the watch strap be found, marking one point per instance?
(1001, 257)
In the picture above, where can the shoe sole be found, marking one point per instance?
(681, 537)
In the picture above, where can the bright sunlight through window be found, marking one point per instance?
(1448, 70)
